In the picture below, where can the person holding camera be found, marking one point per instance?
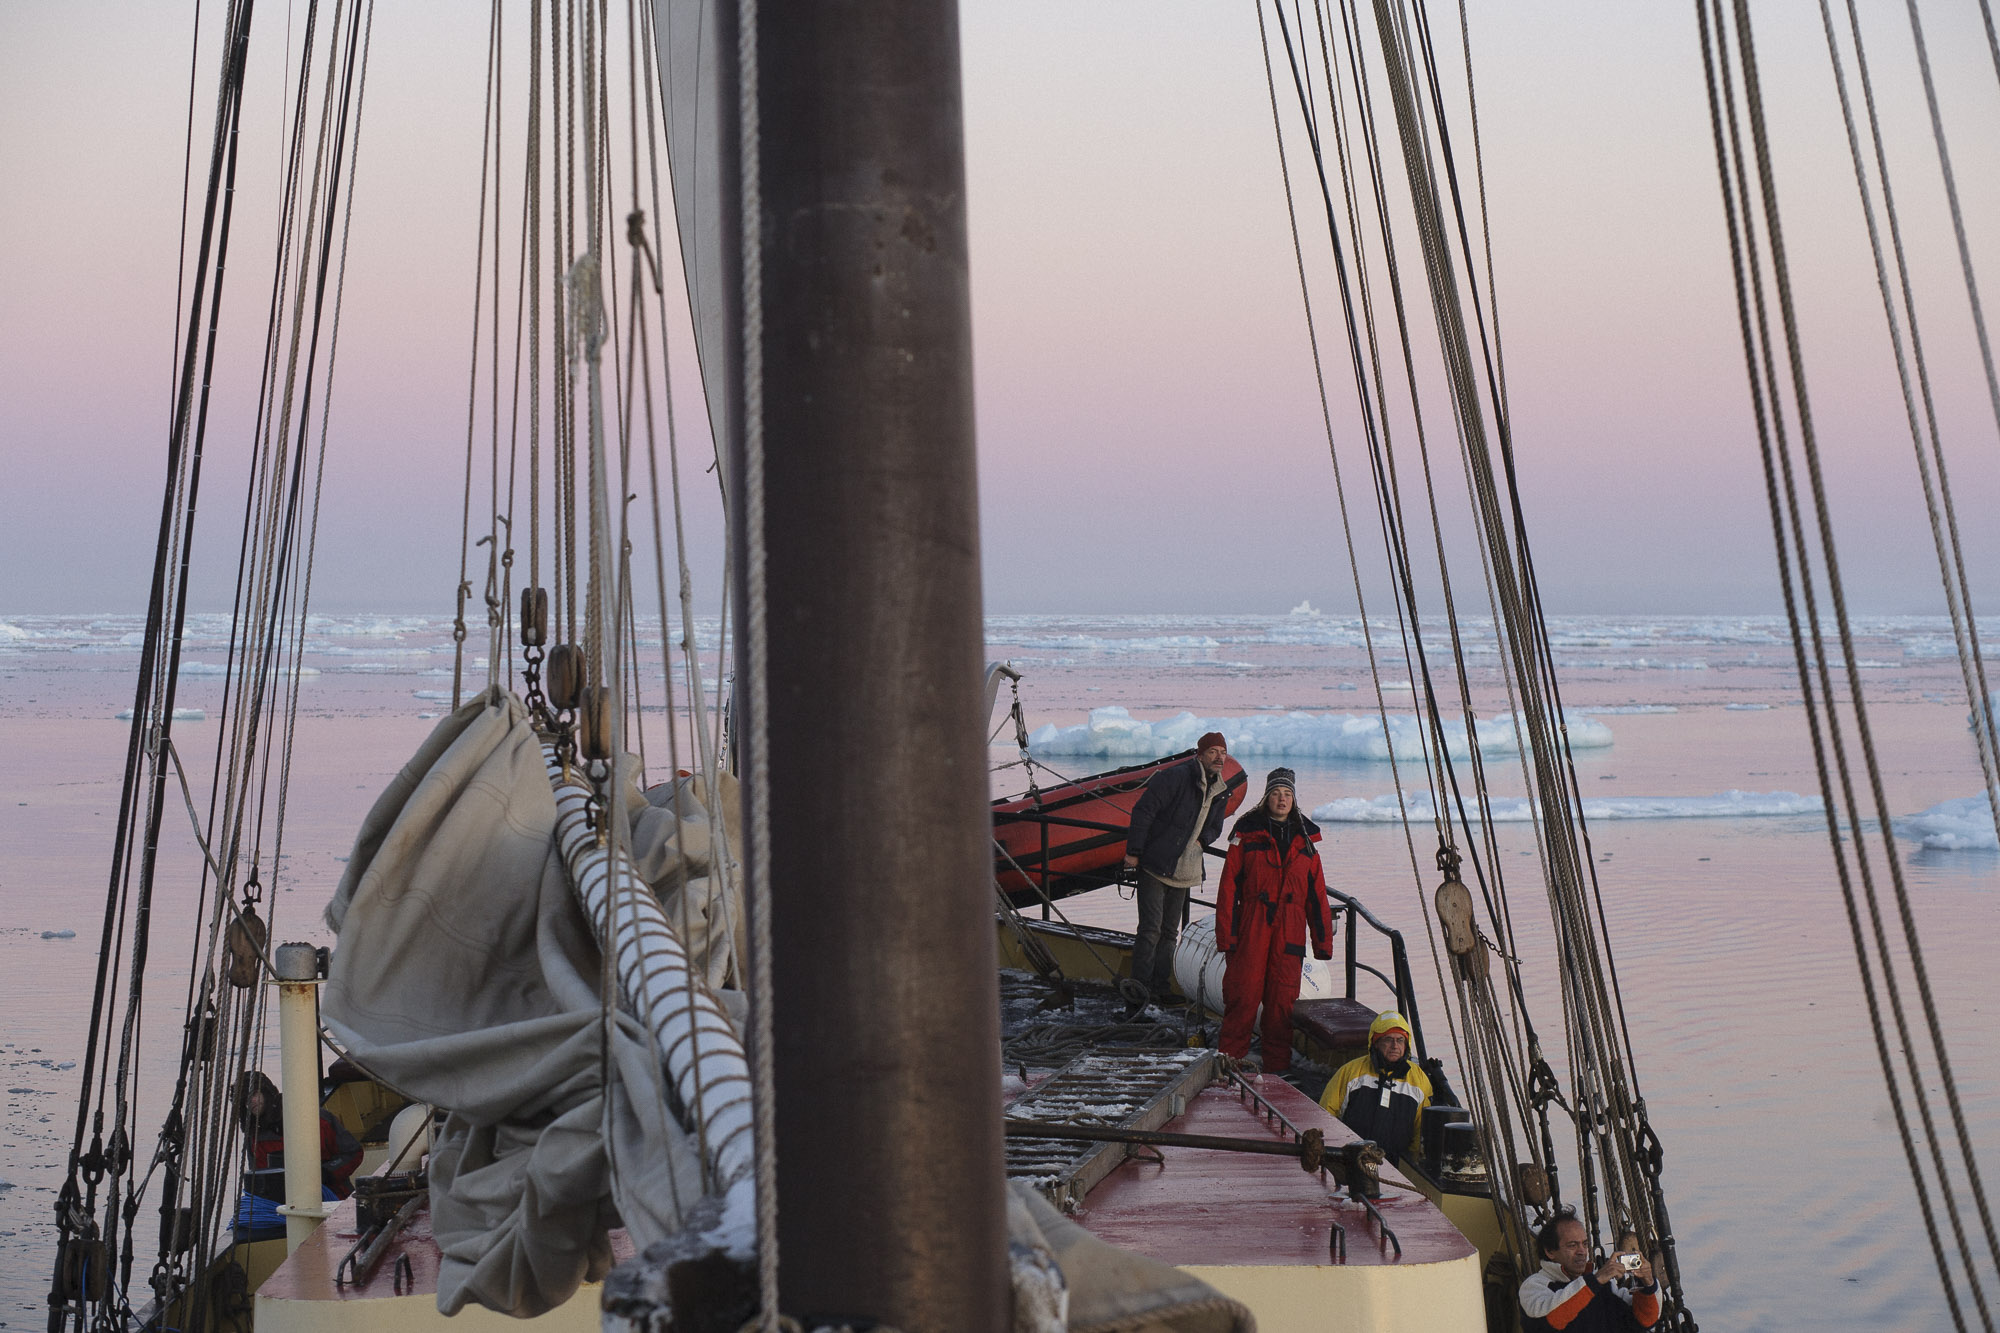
(1565, 1293)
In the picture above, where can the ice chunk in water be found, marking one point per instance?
(1730, 804)
(1965, 824)
(1113, 733)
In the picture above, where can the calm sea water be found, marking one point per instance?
(1784, 1171)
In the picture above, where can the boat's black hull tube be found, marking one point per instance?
(890, 1195)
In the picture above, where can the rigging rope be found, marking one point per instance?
(756, 611)
(1608, 1113)
(272, 598)
(1795, 549)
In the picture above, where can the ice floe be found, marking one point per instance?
(180, 715)
(1730, 804)
(1113, 733)
(1964, 824)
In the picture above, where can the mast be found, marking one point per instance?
(888, 1136)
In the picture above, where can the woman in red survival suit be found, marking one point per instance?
(1271, 898)
(261, 1113)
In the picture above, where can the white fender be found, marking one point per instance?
(1198, 968)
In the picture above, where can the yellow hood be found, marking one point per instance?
(1389, 1021)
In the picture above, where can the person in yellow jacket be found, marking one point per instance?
(1382, 1095)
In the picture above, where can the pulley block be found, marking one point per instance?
(85, 1268)
(1454, 909)
(246, 940)
(563, 676)
(534, 617)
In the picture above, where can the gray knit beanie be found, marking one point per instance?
(1281, 777)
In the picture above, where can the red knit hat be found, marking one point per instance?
(1211, 738)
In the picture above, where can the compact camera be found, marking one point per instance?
(1630, 1262)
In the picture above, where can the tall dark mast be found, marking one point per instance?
(887, 1027)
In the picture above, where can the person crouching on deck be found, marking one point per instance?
(1620, 1297)
(1382, 1095)
(1271, 897)
(261, 1113)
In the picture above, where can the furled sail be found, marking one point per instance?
(466, 976)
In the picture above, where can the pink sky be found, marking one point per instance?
(1149, 433)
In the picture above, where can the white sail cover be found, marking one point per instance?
(701, 152)
(466, 976)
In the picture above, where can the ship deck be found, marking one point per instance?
(1197, 1207)
(1289, 1244)
(401, 1292)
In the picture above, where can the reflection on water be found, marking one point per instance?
(1784, 1172)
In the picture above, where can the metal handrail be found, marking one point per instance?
(1402, 986)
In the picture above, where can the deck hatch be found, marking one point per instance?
(1105, 1086)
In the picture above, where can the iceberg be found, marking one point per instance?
(1113, 733)
(1730, 804)
(180, 715)
(1961, 825)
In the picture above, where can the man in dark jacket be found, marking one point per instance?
(1178, 815)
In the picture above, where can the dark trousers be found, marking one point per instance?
(1161, 907)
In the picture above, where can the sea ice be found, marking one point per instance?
(1113, 733)
(180, 715)
(58, 934)
(1730, 804)
(1965, 824)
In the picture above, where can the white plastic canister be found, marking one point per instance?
(1198, 968)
